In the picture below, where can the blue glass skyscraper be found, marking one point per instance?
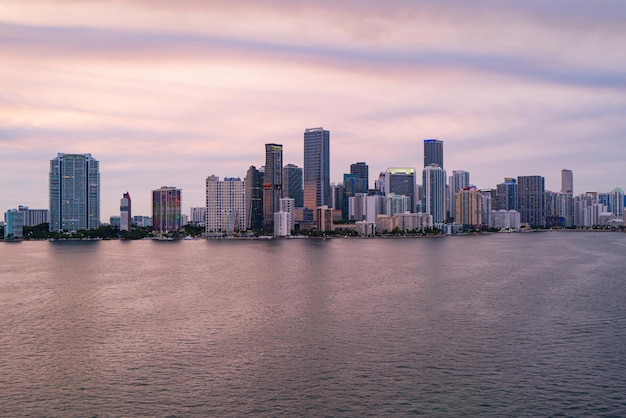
(316, 168)
(74, 192)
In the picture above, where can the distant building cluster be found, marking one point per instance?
(278, 199)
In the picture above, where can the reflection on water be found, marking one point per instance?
(524, 324)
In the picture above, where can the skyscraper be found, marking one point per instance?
(292, 184)
(272, 183)
(401, 181)
(433, 152)
(166, 204)
(126, 218)
(362, 171)
(531, 199)
(254, 199)
(225, 205)
(506, 194)
(316, 168)
(74, 192)
(434, 184)
(459, 180)
(567, 181)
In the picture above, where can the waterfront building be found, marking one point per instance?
(281, 224)
(564, 208)
(434, 192)
(433, 153)
(396, 204)
(506, 195)
(197, 216)
(363, 207)
(486, 206)
(316, 168)
(361, 170)
(74, 192)
(567, 181)
(364, 228)
(142, 221)
(225, 205)
(166, 204)
(617, 203)
(414, 221)
(292, 184)
(13, 224)
(468, 207)
(272, 183)
(531, 199)
(353, 183)
(401, 181)
(254, 198)
(337, 196)
(506, 219)
(126, 218)
(324, 218)
(34, 217)
(114, 221)
(386, 223)
(459, 180)
(288, 206)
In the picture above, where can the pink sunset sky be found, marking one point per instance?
(166, 93)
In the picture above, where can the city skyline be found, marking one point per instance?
(167, 98)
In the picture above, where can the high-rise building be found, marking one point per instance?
(166, 204)
(617, 203)
(126, 218)
(254, 198)
(459, 180)
(401, 181)
(74, 192)
(34, 217)
(197, 216)
(434, 192)
(567, 181)
(506, 195)
(531, 199)
(433, 153)
(225, 205)
(272, 183)
(469, 207)
(316, 168)
(284, 221)
(361, 170)
(292, 184)
(13, 224)
(353, 183)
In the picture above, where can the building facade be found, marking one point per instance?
(254, 198)
(126, 218)
(225, 205)
(166, 205)
(292, 184)
(362, 171)
(272, 183)
(74, 192)
(401, 181)
(531, 199)
(316, 168)
(434, 192)
(433, 153)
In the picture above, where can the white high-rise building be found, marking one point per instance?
(197, 216)
(126, 218)
(225, 205)
(434, 183)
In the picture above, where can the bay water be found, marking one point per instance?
(524, 324)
